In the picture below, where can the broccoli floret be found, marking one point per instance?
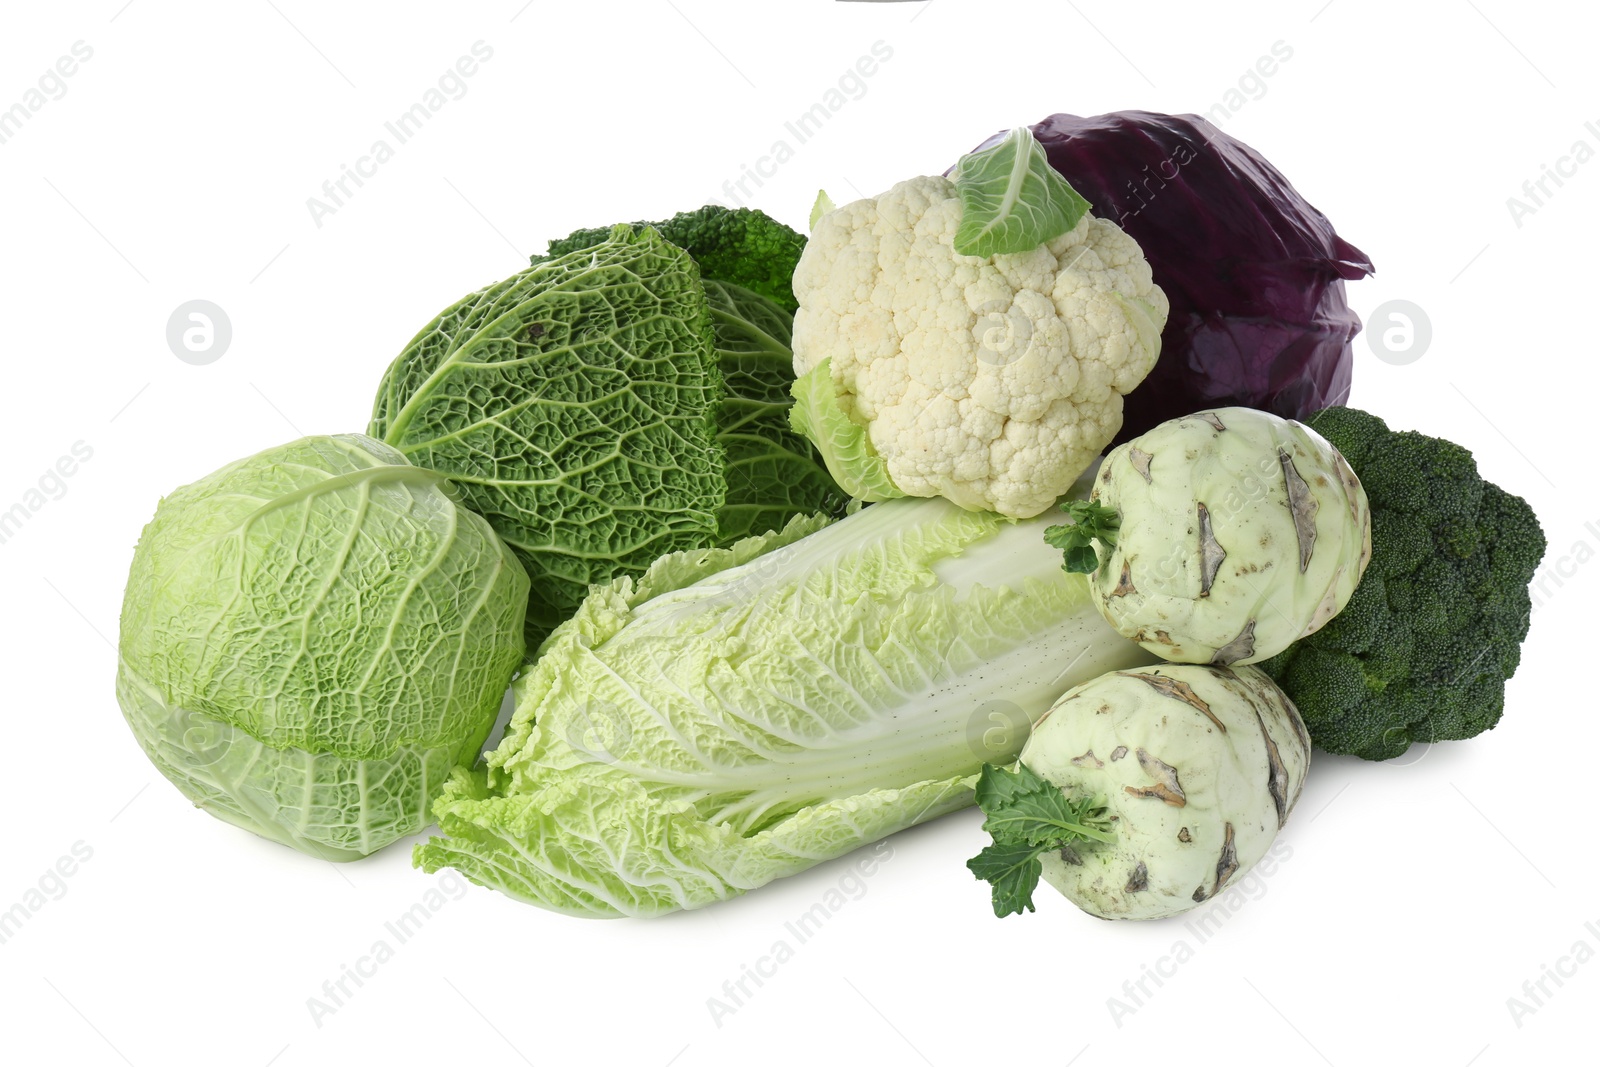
(1423, 649)
(741, 246)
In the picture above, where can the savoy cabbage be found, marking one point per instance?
(313, 637)
(604, 407)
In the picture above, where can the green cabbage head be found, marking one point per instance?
(313, 638)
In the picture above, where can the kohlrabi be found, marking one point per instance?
(1144, 792)
(1223, 536)
(313, 637)
(737, 715)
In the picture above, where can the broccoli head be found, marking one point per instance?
(1423, 649)
(741, 246)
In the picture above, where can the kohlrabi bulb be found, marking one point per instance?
(1238, 533)
(1199, 768)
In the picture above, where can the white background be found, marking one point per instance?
(177, 166)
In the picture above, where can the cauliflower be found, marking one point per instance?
(991, 381)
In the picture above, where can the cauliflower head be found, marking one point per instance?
(991, 381)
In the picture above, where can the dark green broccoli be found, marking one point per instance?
(1423, 649)
(741, 246)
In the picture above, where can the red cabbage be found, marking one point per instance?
(1254, 273)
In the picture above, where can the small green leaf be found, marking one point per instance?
(843, 443)
(1028, 816)
(1091, 522)
(1012, 872)
(1050, 820)
(823, 205)
(997, 789)
(1012, 200)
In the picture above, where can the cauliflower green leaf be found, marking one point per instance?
(1012, 200)
(843, 443)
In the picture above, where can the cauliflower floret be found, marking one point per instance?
(993, 382)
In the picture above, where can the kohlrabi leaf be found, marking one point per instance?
(1027, 817)
(1091, 522)
(1012, 200)
(852, 461)
(1012, 871)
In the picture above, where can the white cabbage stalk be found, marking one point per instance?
(738, 715)
(1199, 767)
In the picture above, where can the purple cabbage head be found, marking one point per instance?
(1254, 273)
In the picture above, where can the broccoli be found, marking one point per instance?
(741, 246)
(1423, 649)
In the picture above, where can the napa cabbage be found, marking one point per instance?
(739, 714)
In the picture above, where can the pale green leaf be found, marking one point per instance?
(1012, 200)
